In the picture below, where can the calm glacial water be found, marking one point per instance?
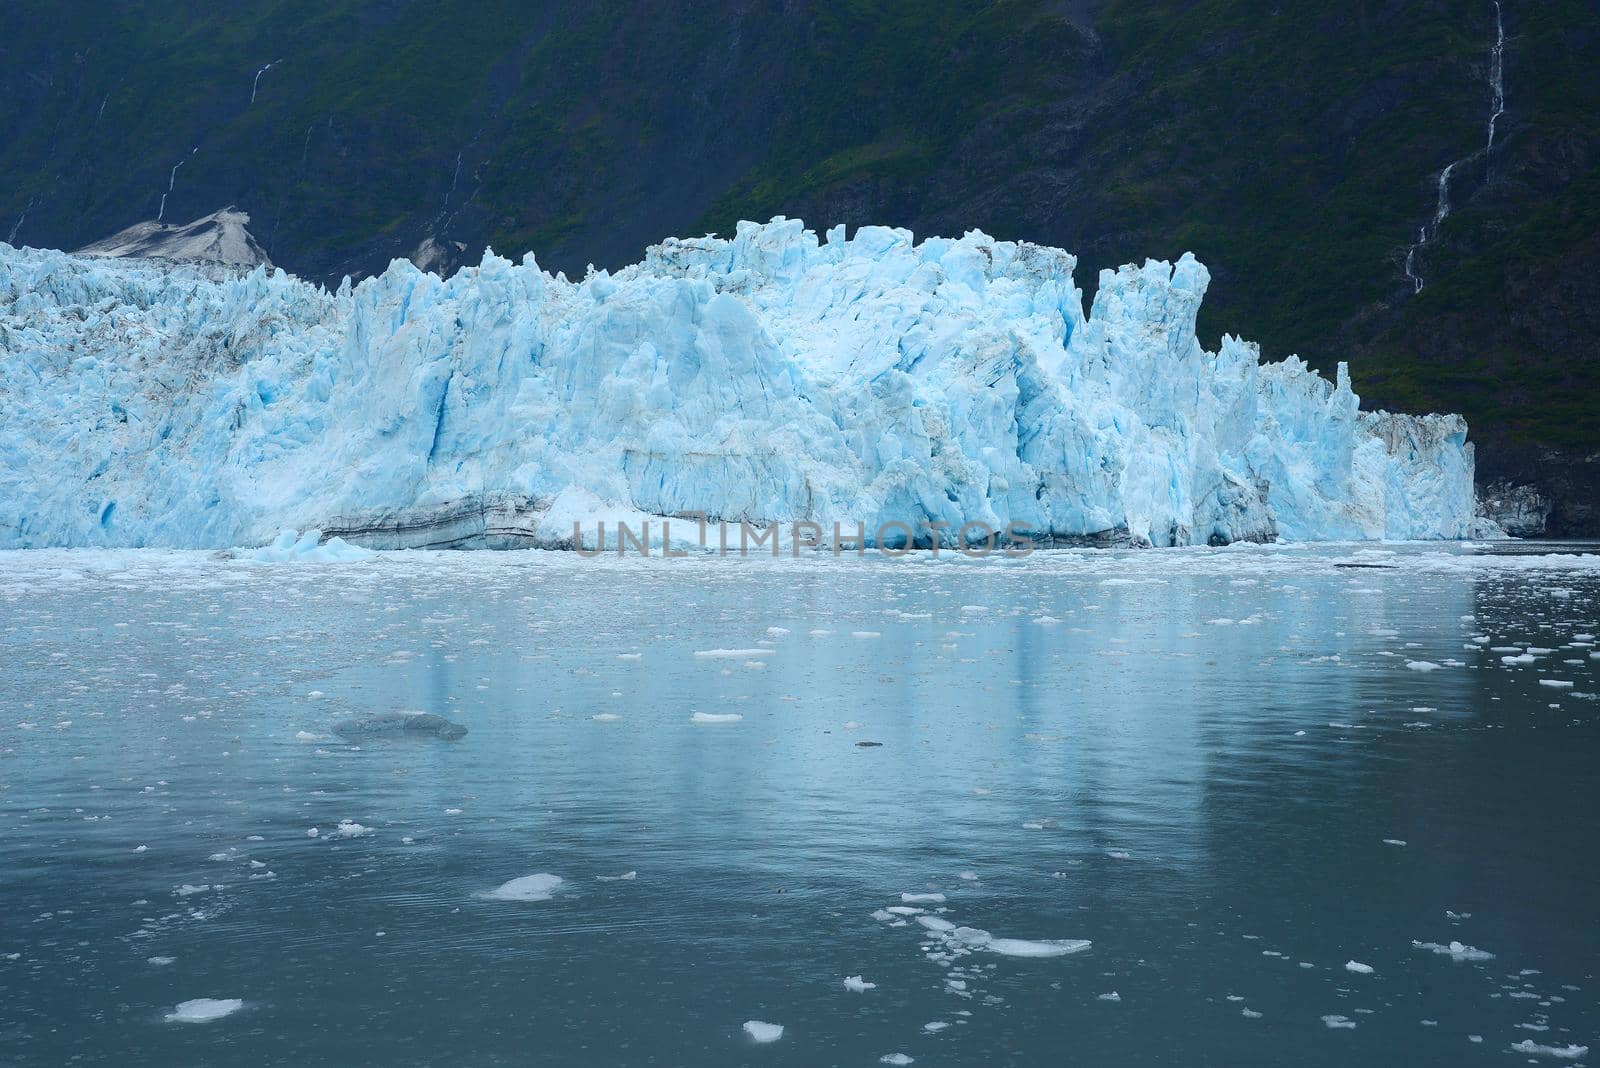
(1231, 771)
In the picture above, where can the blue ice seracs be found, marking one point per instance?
(772, 377)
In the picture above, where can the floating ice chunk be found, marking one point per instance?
(161, 962)
(1249, 1014)
(349, 829)
(1560, 1053)
(858, 985)
(539, 887)
(730, 654)
(905, 910)
(605, 717)
(777, 632)
(968, 876)
(1394, 841)
(1118, 854)
(1050, 947)
(630, 656)
(293, 547)
(1556, 684)
(1112, 996)
(935, 1026)
(1455, 950)
(897, 1059)
(204, 1010)
(308, 736)
(1337, 1023)
(627, 876)
(853, 726)
(763, 1032)
(922, 899)
(865, 634)
(935, 923)
(188, 889)
(716, 717)
(1422, 665)
(1357, 967)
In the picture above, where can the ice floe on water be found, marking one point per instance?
(1455, 950)
(291, 546)
(763, 1032)
(538, 887)
(858, 985)
(1338, 1023)
(897, 1059)
(716, 717)
(1357, 967)
(1561, 1053)
(1023, 947)
(204, 1010)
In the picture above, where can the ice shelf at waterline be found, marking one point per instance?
(767, 378)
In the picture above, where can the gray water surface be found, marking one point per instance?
(1231, 771)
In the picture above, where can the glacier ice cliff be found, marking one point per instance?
(770, 377)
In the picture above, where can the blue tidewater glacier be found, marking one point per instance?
(772, 377)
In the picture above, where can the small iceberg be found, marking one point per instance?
(763, 1032)
(540, 887)
(1457, 951)
(204, 1010)
(293, 547)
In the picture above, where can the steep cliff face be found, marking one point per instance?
(1296, 147)
(940, 391)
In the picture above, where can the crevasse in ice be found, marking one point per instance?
(770, 377)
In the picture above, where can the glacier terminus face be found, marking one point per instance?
(769, 378)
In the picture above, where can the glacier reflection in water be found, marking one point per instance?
(1230, 771)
